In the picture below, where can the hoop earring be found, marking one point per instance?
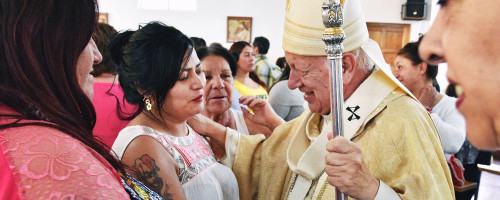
(148, 104)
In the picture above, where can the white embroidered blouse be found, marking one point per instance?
(200, 174)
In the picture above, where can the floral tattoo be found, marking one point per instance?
(147, 172)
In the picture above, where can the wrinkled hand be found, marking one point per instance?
(346, 169)
(428, 96)
(263, 113)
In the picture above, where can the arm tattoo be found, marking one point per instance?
(166, 195)
(147, 172)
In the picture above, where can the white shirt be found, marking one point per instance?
(450, 125)
(241, 126)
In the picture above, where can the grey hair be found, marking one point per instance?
(362, 60)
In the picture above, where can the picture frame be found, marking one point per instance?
(103, 18)
(239, 29)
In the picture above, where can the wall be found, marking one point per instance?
(209, 21)
(390, 12)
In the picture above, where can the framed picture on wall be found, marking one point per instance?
(103, 18)
(239, 29)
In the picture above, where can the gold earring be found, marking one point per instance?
(148, 103)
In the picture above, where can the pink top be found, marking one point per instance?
(108, 124)
(38, 162)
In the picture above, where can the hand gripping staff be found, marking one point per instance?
(333, 37)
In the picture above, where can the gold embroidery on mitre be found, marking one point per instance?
(303, 26)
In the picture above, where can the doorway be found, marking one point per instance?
(390, 37)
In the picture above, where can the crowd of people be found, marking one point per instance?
(87, 112)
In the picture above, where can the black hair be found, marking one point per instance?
(451, 90)
(435, 84)
(198, 42)
(410, 51)
(285, 75)
(117, 44)
(281, 62)
(219, 51)
(112, 46)
(262, 43)
(150, 62)
(216, 44)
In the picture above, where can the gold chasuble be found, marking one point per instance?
(401, 148)
(400, 144)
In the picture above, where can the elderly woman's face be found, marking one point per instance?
(219, 88)
(466, 35)
(89, 56)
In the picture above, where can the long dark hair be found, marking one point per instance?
(41, 41)
(236, 50)
(281, 62)
(284, 76)
(150, 61)
(218, 51)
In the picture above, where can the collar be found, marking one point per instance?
(365, 100)
(306, 152)
(261, 56)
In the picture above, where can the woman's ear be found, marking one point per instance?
(348, 67)
(145, 94)
(142, 92)
(422, 68)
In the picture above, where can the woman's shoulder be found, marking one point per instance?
(248, 84)
(279, 88)
(241, 125)
(127, 135)
(240, 85)
(280, 85)
(31, 131)
(281, 94)
(47, 159)
(448, 102)
(30, 139)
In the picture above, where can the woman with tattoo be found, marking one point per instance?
(160, 72)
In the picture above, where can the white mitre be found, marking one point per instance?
(304, 29)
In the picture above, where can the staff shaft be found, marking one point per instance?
(333, 37)
(336, 95)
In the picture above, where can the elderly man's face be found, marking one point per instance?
(310, 75)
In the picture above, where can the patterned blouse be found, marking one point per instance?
(200, 175)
